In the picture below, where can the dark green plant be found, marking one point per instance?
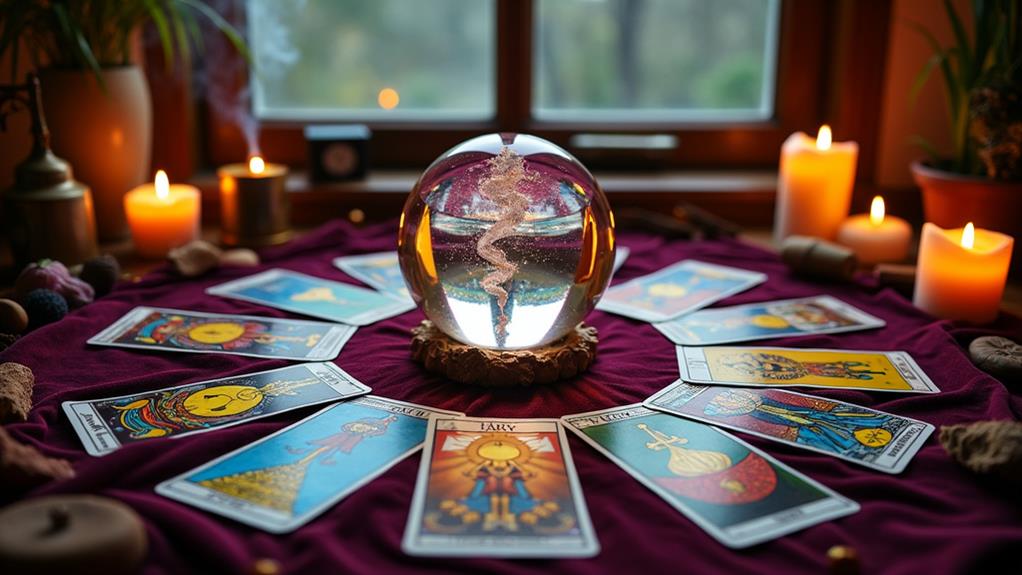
(987, 60)
(92, 34)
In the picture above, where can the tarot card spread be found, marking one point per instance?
(283, 481)
(498, 488)
(736, 493)
(104, 425)
(792, 317)
(198, 332)
(865, 436)
(316, 297)
(677, 289)
(784, 367)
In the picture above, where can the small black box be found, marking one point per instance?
(338, 152)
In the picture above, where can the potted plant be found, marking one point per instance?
(95, 95)
(982, 74)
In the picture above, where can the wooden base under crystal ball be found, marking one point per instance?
(563, 359)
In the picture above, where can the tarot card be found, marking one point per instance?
(861, 435)
(379, 270)
(498, 488)
(284, 480)
(735, 492)
(790, 317)
(620, 255)
(677, 289)
(790, 367)
(104, 425)
(316, 297)
(199, 332)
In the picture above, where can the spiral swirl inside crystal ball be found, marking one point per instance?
(506, 242)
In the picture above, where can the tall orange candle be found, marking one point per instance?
(162, 216)
(961, 272)
(814, 188)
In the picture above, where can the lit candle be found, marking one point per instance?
(961, 272)
(814, 188)
(162, 216)
(254, 209)
(876, 237)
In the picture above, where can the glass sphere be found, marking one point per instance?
(506, 242)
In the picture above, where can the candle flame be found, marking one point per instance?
(968, 236)
(162, 185)
(256, 165)
(823, 138)
(877, 211)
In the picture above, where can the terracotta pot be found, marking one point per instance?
(951, 200)
(106, 136)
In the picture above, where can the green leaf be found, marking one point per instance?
(223, 25)
(74, 34)
(928, 148)
(966, 69)
(156, 14)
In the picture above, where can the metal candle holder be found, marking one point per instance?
(254, 209)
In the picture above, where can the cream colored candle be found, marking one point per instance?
(876, 237)
(961, 272)
(814, 188)
(162, 216)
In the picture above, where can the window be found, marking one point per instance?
(727, 80)
(378, 60)
(654, 60)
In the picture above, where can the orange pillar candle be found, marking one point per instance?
(961, 272)
(814, 187)
(876, 237)
(162, 216)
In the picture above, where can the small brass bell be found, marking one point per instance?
(48, 214)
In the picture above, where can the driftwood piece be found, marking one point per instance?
(464, 363)
(16, 383)
(818, 259)
(986, 447)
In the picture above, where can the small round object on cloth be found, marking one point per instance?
(60, 534)
(101, 272)
(13, 318)
(265, 566)
(998, 356)
(44, 307)
(844, 560)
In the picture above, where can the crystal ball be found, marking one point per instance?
(506, 242)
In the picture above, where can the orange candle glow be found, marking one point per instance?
(814, 187)
(961, 272)
(162, 216)
(876, 237)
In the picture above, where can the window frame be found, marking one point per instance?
(803, 98)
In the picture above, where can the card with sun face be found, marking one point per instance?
(498, 488)
(677, 289)
(105, 425)
(199, 332)
(312, 296)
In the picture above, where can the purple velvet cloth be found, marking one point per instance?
(934, 518)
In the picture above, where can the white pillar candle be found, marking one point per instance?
(876, 237)
(814, 188)
(961, 272)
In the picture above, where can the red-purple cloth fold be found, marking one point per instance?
(934, 518)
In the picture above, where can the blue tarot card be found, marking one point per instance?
(790, 317)
(316, 297)
(736, 493)
(379, 270)
(283, 481)
(677, 289)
